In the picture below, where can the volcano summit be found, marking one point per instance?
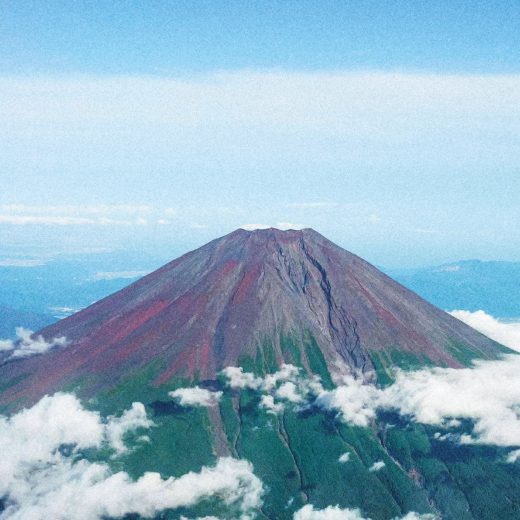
(289, 376)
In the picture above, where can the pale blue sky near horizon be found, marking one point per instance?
(391, 127)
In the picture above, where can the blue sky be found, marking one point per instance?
(391, 127)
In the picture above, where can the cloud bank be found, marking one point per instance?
(44, 475)
(487, 395)
(29, 345)
(507, 333)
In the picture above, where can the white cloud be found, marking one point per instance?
(507, 333)
(345, 457)
(513, 456)
(287, 372)
(69, 215)
(308, 512)
(237, 378)
(43, 474)
(488, 394)
(102, 210)
(377, 466)
(195, 396)
(416, 516)
(281, 101)
(130, 420)
(27, 344)
(267, 402)
(355, 401)
(119, 275)
(289, 392)
(287, 384)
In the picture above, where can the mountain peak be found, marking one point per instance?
(273, 233)
(267, 295)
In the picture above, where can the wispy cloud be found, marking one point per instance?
(28, 344)
(116, 215)
(22, 262)
(69, 215)
(21, 220)
(119, 275)
(348, 102)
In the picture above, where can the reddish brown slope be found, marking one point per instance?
(208, 308)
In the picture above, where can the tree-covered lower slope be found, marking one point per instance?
(393, 466)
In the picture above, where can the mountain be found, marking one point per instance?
(469, 285)
(12, 318)
(204, 344)
(245, 295)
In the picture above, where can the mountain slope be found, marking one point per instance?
(256, 300)
(216, 305)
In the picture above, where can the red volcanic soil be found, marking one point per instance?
(208, 308)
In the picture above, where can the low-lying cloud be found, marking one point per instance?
(507, 333)
(27, 344)
(486, 394)
(43, 473)
(377, 466)
(287, 385)
(344, 457)
(195, 396)
(308, 512)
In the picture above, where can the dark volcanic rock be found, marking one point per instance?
(212, 306)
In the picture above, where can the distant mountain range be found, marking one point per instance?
(470, 285)
(12, 318)
(65, 284)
